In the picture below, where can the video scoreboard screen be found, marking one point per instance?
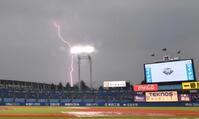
(172, 71)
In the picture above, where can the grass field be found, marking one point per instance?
(14, 112)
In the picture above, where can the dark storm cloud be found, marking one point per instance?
(124, 32)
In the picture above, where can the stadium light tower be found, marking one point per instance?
(83, 52)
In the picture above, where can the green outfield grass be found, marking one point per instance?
(34, 110)
(59, 110)
(55, 110)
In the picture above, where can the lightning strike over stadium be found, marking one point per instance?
(57, 26)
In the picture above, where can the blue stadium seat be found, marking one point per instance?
(31, 100)
(54, 100)
(8, 100)
(65, 100)
(76, 100)
(19, 100)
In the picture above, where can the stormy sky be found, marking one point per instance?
(124, 32)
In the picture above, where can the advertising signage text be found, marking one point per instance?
(190, 85)
(108, 84)
(162, 96)
(145, 87)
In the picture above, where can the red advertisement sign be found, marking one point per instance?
(146, 87)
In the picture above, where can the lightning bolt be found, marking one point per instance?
(57, 26)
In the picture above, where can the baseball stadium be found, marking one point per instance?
(168, 98)
(99, 59)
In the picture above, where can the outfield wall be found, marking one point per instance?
(155, 104)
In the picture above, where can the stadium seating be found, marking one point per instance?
(20, 100)
(8, 100)
(9, 95)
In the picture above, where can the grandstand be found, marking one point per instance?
(29, 93)
(23, 84)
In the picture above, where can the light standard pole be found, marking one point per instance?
(79, 72)
(83, 52)
(91, 79)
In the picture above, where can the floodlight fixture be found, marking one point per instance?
(82, 49)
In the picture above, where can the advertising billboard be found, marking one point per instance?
(108, 84)
(190, 85)
(172, 71)
(162, 96)
(145, 87)
(184, 97)
(139, 98)
(170, 87)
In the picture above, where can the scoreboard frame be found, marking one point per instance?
(170, 82)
